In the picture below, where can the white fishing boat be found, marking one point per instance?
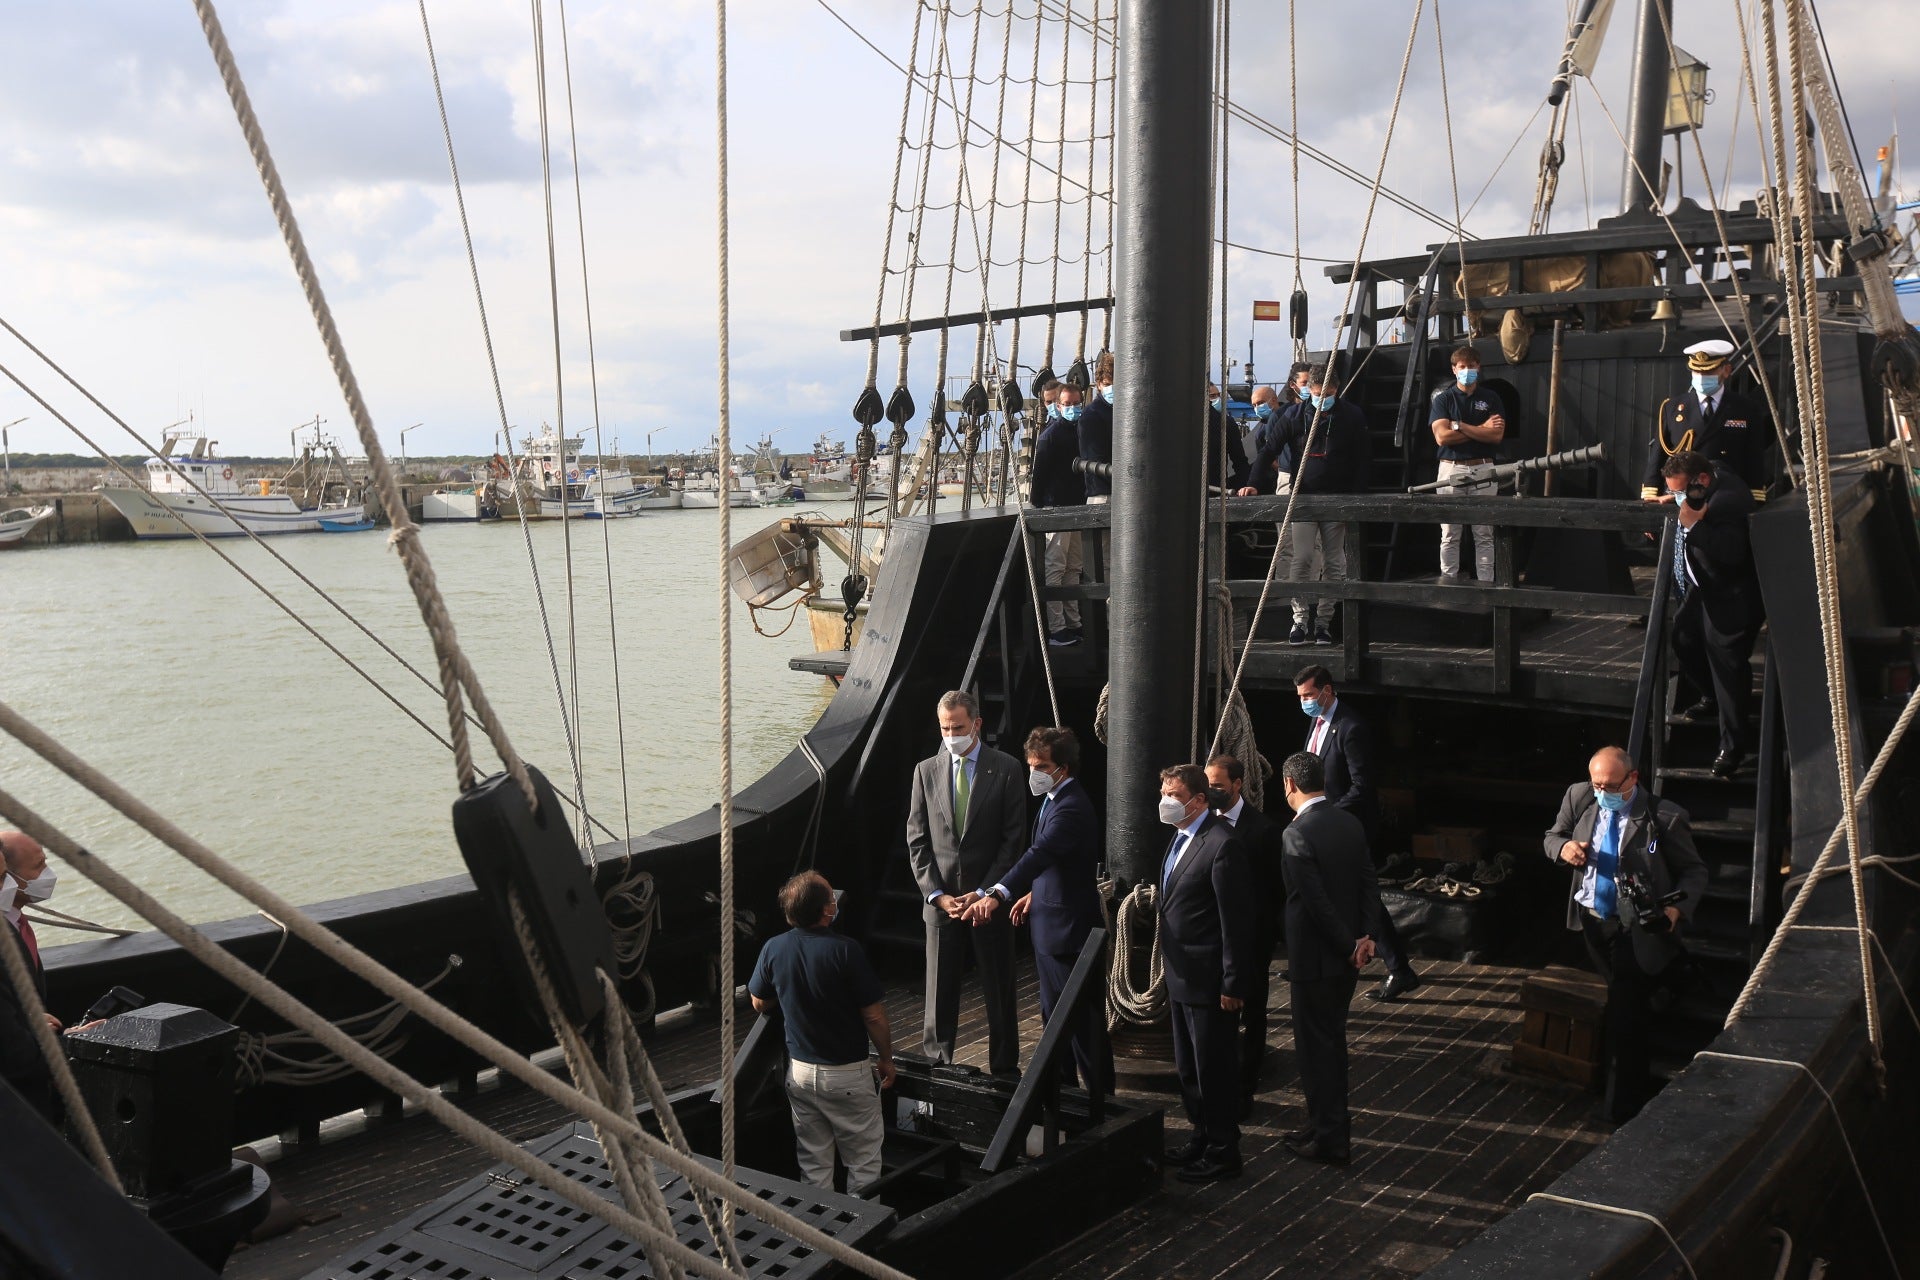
(16, 524)
(556, 485)
(703, 490)
(192, 490)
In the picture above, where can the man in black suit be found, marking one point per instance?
(1711, 419)
(1720, 604)
(1224, 470)
(1344, 743)
(1608, 827)
(1259, 835)
(1333, 906)
(26, 879)
(1055, 885)
(1206, 942)
(966, 825)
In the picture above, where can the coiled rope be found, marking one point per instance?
(1127, 1003)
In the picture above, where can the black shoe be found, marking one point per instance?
(1190, 1152)
(1317, 1151)
(1322, 635)
(1705, 709)
(1298, 635)
(1210, 1170)
(1300, 1136)
(1061, 639)
(1397, 984)
(1728, 762)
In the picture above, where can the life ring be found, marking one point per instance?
(227, 474)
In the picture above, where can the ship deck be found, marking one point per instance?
(1445, 1142)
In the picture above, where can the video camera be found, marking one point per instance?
(1640, 908)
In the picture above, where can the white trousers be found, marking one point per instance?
(836, 1108)
(1063, 570)
(1452, 535)
(1319, 555)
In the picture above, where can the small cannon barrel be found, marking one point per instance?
(1104, 470)
(1591, 455)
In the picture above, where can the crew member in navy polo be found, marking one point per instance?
(1468, 424)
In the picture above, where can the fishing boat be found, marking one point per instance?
(1778, 1144)
(190, 489)
(16, 524)
(556, 483)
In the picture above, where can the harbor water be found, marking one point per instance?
(162, 666)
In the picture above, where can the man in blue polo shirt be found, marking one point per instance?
(1467, 429)
(825, 989)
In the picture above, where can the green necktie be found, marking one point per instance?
(962, 790)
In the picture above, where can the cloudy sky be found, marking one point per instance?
(136, 246)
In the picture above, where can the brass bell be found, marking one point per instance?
(1665, 310)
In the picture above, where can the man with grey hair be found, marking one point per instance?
(25, 880)
(966, 826)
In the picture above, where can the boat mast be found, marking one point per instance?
(1161, 241)
(1647, 117)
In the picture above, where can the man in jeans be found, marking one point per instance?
(825, 989)
(1467, 427)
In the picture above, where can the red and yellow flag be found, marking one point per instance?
(1266, 311)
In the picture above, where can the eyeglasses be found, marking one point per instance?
(1615, 788)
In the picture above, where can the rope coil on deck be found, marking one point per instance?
(1126, 1003)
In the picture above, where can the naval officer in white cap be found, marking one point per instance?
(1709, 419)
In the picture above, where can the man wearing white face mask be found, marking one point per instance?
(1711, 419)
(1055, 885)
(965, 826)
(1609, 828)
(26, 880)
(1206, 906)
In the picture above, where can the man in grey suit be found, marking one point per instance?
(1609, 828)
(965, 828)
(1333, 916)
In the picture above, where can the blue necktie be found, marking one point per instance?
(1680, 583)
(1173, 856)
(1606, 864)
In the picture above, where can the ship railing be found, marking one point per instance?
(1582, 540)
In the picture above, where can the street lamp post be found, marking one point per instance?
(403, 449)
(6, 447)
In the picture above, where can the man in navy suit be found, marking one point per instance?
(1260, 837)
(1333, 909)
(1055, 886)
(1344, 743)
(1206, 941)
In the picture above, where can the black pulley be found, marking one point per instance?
(1041, 379)
(975, 401)
(937, 409)
(1297, 314)
(900, 407)
(868, 410)
(853, 589)
(1077, 374)
(1011, 401)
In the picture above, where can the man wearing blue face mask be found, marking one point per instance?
(1329, 438)
(1054, 483)
(1709, 418)
(1228, 470)
(1609, 828)
(1468, 426)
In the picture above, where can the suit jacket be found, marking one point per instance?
(1338, 461)
(1720, 554)
(21, 1063)
(996, 823)
(1061, 869)
(1054, 482)
(1096, 442)
(1231, 472)
(1661, 850)
(1260, 837)
(1333, 899)
(1206, 918)
(1349, 759)
(1736, 434)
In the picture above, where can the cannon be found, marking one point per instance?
(1502, 472)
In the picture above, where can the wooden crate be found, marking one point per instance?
(1451, 844)
(1560, 1035)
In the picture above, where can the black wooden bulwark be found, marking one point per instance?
(1526, 638)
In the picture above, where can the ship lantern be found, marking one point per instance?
(1687, 93)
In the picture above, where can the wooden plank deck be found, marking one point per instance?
(1444, 1144)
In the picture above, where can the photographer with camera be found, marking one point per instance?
(1639, 879)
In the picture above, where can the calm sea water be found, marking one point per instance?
(161, 665)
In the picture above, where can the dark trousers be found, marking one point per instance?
(1393, 953)
(1091, 1052)
(1253, 1017)
(1205, 1054)
(992, 944)
(1629, 1080)
(1718, 663)
(1320, 1045)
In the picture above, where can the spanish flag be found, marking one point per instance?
(1266, 311)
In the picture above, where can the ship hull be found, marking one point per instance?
(162, 516)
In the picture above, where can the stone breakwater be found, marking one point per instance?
(81, 515)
